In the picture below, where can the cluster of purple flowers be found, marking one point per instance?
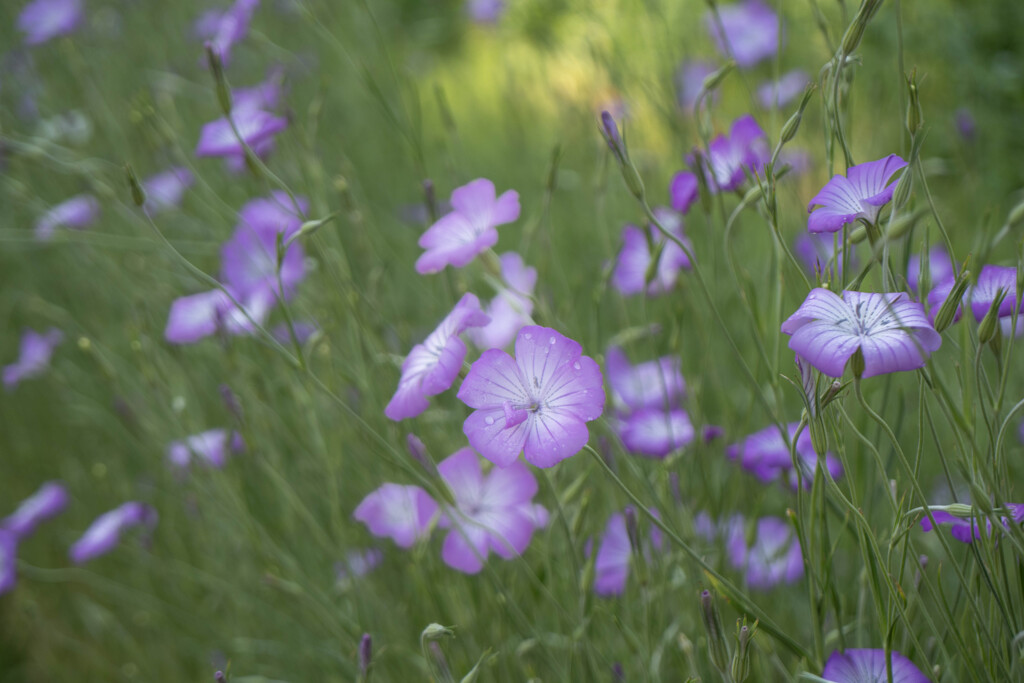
(766, 455)
(767, 556)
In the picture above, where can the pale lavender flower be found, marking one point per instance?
(8, 560)
(991, 281)
(940, 268)
(197, 316)
(231, 27)
(401, 513)
(492, 513)
(469, 229)
(890, 331)
(76, 213)
(773, 556)
(689, 81)
(651, 384)
(868, 666)
(615, 555)
(860, 195)
(165, 190)
(34, 356)
(730, 158)
(634, 259)
(249, 259)
(1006, 325)
(211, 447)
(235, 162)
(105, 532)
(683, 191)
(655, 432)
(511, 308)
(779, 93)
(432, 366)
(42, 20)
(265, 95)
(485, 11)
(255, 126)
(967, 529)
(357, 563)
(818, 252)
(537, 403)
(765, 455)
(751, 31)
(49, 501)
(205, 27)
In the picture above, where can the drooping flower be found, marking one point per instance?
(255, 126)
(76, 213)
(655, 432)
(8, 560)
(401, 513)
(689, 81)
(891, 332)
(231, 26)
(730, 158)
(683, 191)
(751, 31)
(651, 384)
(779, 93)
(634, 260)
(42, 20)
(49, 501)
(868, 666)
(818, 252)
(210, 447)
(765, 455)
(432, 366)
(34, 356)
(511, 308)
(537, 403)
(940, 268)
(860, 195)
(457, 237)
(772, 557)
(492, 513)
(165, 190)
(991, 281)
(966, 529)
(105, 532)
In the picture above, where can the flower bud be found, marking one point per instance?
(365, 655)
(717, 647)
(219, 677)
(857, 363)
(980, 499)
(430, 199)
(436, 632)
(914, 116)
(741, 660)
(989, 327)
(610, 131)
(819, 437)
(715, 78)
(138, 194)
(947, 312)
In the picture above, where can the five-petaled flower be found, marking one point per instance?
(537, 403)
(890, 331)
(868, 666)
(860, 195)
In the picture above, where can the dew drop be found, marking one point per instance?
(551, 340)
(489, 420)
(576, 365)
(528, 336)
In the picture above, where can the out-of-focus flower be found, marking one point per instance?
(432, 366)
(683, 191)
(781, 92)
(76, 213)
(861, 194)
(401, 513)
(772, 557)
(689, 81)
(965, 124)
(890, 332)
(730, 158)
(511, 308)
(765, 455)
(537, 403)
(868, 666)
(456, 238)
(197, 316)
(485, 11)
(255, 127)
(165, 190)
(492, 513)
(655, 432)
(249, 259)
(991, 281)
(210, 447)
(230, 27)
(615, 555)
(940, 268)
(42, 20)
(818, 253)
(634, 259)
(49, 501)
(751, 31)
(105, 532)
(34, 356)
(967, 529)
(8, 560)
(651, 384)
(357, 563)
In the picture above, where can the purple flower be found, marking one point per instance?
(432, 366)
(211, 447)
(494, 512)
(485, 11)
(683, 191)
(401, 513)
(249, 258)
(537, 403)
(614, 555)
(511, 308)
(231, 27)
(165, 190)
(751, 31)
(967, 529)
(34, 356)
(860, 195)
(689, 81)
(104, 533)
(965, 124)
(1006, 324)
(765, 455)
(868, 666)
(265, 95)
(42, 20)
(655, 432)
(991, 280)
(49, 501)
(818, 253)
(940, 268)
(357, 563)
(781, 92)
(634, 260)
(76, 213)
(205, 27)
(730, 158)
(773, 557)
(303, 332)
(197, 316)
(255, 126)
(651, 384)
(891, 332)
(469, 229)
(8, 560)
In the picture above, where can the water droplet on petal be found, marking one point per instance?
(489, 420)
(528, 336)
(576, 365)
(551, 340)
